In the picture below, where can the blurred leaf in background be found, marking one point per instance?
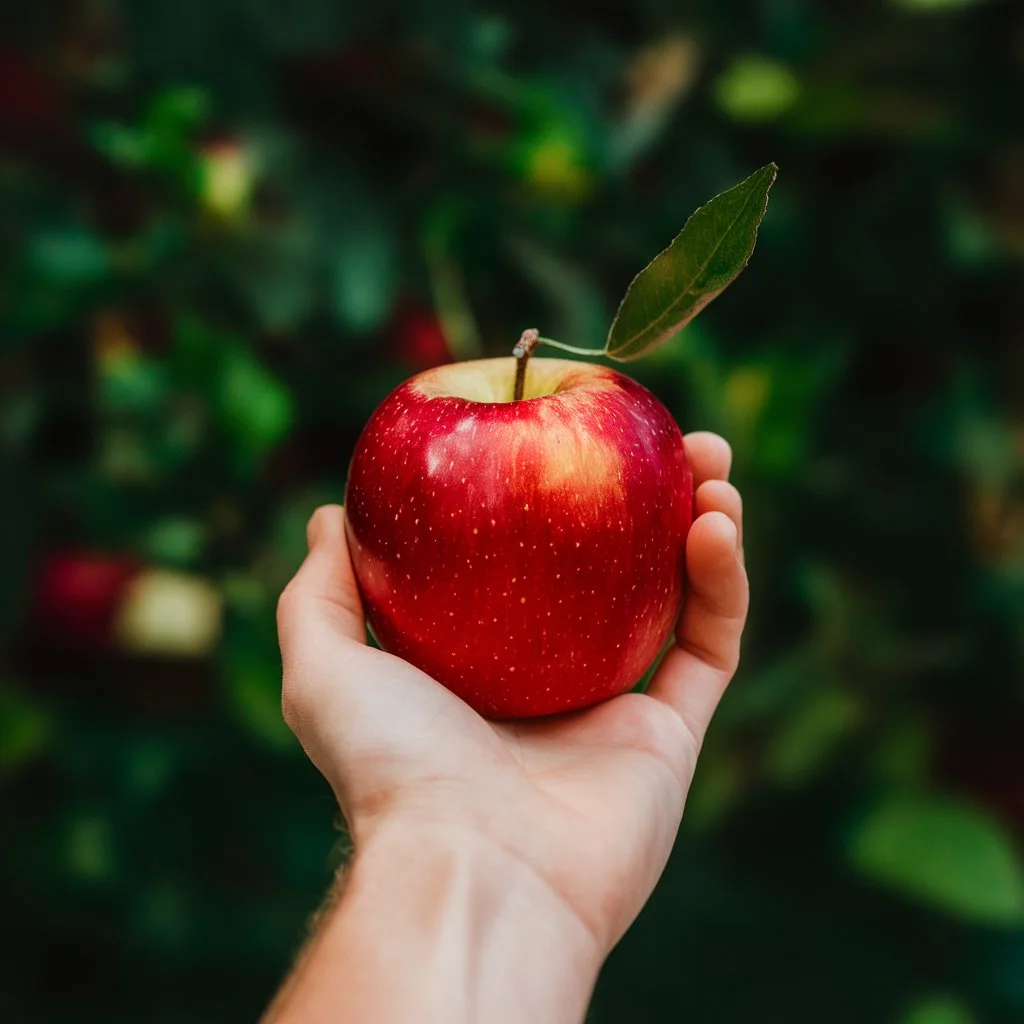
(946, 853)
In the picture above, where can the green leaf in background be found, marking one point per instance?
(254, 695)
(815, 730)
(25, 730)
(718, 786)
(256, 407)
(364, 273)
(755, 88)
(88, 848)
(162, 139)
(177, 110)
(122, 145)
(176, 541)
(703, 259)
(768, 407)
(69, 255)
(938, 1009)
(130, 381)
(944, 852)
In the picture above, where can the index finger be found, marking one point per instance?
(710, 456)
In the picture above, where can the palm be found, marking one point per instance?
(590, 801)
(576, 797)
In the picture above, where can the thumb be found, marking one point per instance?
(323, 595)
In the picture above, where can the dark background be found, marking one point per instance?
(229, 227)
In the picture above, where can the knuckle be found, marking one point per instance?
(721, 658)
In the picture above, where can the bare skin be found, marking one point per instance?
(496, 864)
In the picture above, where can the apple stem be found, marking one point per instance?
(523, 350)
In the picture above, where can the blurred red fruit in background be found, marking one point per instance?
(419, 338)
(78, 595)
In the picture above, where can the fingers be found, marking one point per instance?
(710, 456)
(720, 496)
(695, 672)
(323, 594)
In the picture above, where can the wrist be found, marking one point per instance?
(465, 928)
(496, 877)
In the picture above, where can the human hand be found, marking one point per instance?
(588, 803)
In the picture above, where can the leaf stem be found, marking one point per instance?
(572, 348)
(524, 349)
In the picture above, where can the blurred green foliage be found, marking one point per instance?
(230, 228)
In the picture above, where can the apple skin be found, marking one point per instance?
(528, 555)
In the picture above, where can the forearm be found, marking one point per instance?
(443, 927)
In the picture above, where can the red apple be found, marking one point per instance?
(106, 602)
(419, 338)
(528, 555)
(78, 595)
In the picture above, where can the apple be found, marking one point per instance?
(78, 594)
(169, 614)
(526, 554)
(97, 602)
(419, 338)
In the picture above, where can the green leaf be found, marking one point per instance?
(176, 541)
(703, 259)
(252, 406)
(69, 255)
(754, 88)
(939, 1009)
(805, 741)
(254, 693)
(946, 853)
(364, 270)
(25, 731)
(120, 144)
(717, 787)
(88, 848)
(131, 382)
(255, 406)
(177, 110)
